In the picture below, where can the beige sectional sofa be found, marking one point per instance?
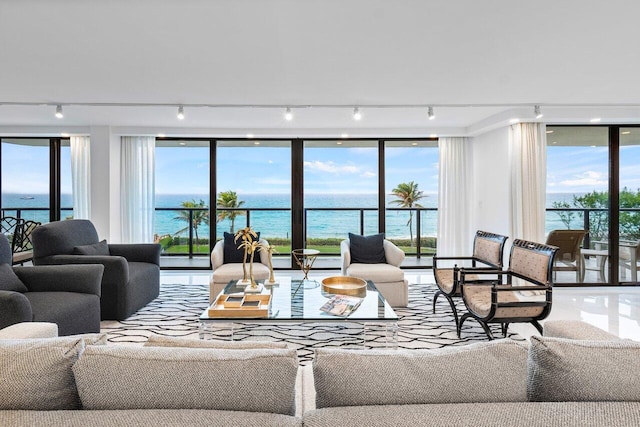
(581, 376)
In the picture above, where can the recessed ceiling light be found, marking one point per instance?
(549, 131)
(180, 114)
(339, 143)
(626, 132)
(161, 135)
(414, 143)
(357, 115)
(249, 135)
(595, 120)
(59, 113)
(514, 121)
(288, 115)
(64, 134)
(344, 135)
(537, 112)
(183, 143)
(433, 135)
(256, 143)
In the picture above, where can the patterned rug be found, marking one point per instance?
(176, 311)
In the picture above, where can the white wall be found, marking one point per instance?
(491, 177)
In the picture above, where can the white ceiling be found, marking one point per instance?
(502, 56)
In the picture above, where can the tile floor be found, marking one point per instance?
(615, 309)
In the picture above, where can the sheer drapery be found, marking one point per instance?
(528, 158)
(138, 188)
(81, 176)
(454, 188)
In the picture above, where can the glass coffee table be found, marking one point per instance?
(294, 303)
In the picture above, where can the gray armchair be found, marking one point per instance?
(68, 296)
(131, 271)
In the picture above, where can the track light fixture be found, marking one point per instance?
(180, 113)
(59, 113)
(288, 115)
(430, 113)
(537, 112)
(357, 115)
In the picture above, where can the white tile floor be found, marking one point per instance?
(615, 309)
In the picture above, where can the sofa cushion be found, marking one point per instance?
(540, 414)
(146, 417)
(100, 248)
(9, 281)
(36, 373)
(227, 272)
(377, 273)
(483, 372)
(162, 341)
(577, 330)
(119, 377)
(562, 369)
(367, 249)
(231, 251)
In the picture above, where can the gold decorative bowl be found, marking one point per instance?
(345, 285)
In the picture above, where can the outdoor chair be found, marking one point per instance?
(68, 296)
(9, 226)
(383, 269)
(520, 294)
(22, 244)
(568, 257)
(226, 264)
(131, 271)
(488, 249)
(628, 255)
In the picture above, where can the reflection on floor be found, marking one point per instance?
(615, 309)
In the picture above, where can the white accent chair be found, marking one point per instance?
(388, 278)
(224, 273)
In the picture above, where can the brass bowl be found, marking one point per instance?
(345, 285)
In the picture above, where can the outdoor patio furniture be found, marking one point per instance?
(568, 256)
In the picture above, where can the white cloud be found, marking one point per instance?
(369, 174)
(588, 178)
(331, 167)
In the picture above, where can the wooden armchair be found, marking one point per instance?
(522, 293)
(488, 251)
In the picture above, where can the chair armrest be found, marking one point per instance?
(392, 253)
(137, 252)
(84, 279)
(16, 308)
(217, 255)
(345, 255)
(116, 268)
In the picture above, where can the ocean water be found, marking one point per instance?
(320, 223)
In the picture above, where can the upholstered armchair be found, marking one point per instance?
(488, 249)
(229, 267)
(131, 271)
(377, 259)
(68, 296)
(520, 294)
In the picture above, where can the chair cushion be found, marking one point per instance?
(566, 370)
(367, 249)
(231, 252)
(228, 272)
(100, 248)
(478, 300)
(121, 377)
(482, 372)
(444, 279)
(377, 273)
(9, 281)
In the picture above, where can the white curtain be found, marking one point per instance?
(137, 197)
(528, 157)
(81, 176)
(454, 191)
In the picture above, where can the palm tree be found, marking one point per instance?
(407, 194)
(197, 213)
(228, 199)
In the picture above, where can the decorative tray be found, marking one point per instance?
(241, 305)
(344, 285)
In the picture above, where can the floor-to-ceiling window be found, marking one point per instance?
(629, 204)
(411, 195)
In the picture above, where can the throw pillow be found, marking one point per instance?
(9, 281)
(231, 252)
(496, 372)
(100, 248)
(36, 373)
(162, 341)
(121, 377)
(566, 370)
(367, 249)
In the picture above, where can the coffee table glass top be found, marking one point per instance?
(294, 300)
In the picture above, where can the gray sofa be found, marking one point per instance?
(68, 296)
(588, 379)
(131, 271)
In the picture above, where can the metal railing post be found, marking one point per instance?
(418, 226)
(190, 233)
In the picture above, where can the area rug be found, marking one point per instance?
(176, 311)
